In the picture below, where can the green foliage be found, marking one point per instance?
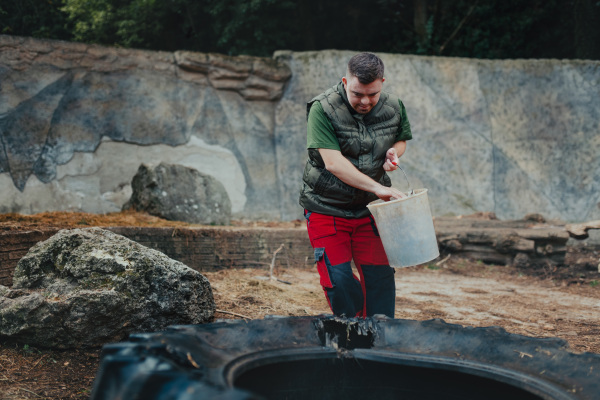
(133, 23)
(29, 350)
(250, 26)
(37, 18)
(461, 28)
(91, 19)
(486, 28)
(506, 28)
(228, 26)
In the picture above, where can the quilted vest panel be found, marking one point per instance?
(364, 139)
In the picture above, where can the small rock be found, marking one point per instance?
(522, 261)
(534, 217)
(179, 193)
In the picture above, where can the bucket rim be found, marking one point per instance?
(379, 202)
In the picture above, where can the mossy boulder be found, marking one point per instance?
(87, 287)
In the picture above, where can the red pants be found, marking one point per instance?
(337, 241)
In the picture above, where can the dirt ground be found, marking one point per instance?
(561, 302)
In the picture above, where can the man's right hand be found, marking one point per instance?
(388, 194)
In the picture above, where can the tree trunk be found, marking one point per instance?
(420, 20)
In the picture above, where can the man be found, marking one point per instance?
(356, 132)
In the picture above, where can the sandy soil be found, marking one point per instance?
(563, 302)
(459, 291)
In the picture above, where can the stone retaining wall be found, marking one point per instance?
(203, 249)
(13, 246)
(529, 244)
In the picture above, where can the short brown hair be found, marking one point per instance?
(367, 67)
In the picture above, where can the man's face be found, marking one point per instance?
(362, 97)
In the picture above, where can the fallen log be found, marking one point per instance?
(499, 242)
(579, 231)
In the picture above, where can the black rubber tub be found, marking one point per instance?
(326, 357)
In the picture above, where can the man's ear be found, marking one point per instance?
(382, 80)
(344, 81)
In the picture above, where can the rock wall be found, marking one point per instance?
(512, 137)
(76, 121)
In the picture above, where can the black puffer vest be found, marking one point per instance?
(364, 139)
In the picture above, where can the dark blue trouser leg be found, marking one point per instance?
(380, 288)
(345, 296)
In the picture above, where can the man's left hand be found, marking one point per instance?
(391, 160)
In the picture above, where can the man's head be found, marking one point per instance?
(363, 81)
(367, 67)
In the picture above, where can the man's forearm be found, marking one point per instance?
(400, 147)
(344, 170)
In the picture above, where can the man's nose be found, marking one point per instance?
(365, 100)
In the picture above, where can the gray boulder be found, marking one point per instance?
(179, 193)
(87, 287)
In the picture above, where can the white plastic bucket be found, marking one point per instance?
(406, 229)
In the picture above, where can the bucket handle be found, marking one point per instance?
(410, 190)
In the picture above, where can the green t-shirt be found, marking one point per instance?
(321, 135)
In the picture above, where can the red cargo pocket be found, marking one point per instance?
(320, 226)
(322, 264)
